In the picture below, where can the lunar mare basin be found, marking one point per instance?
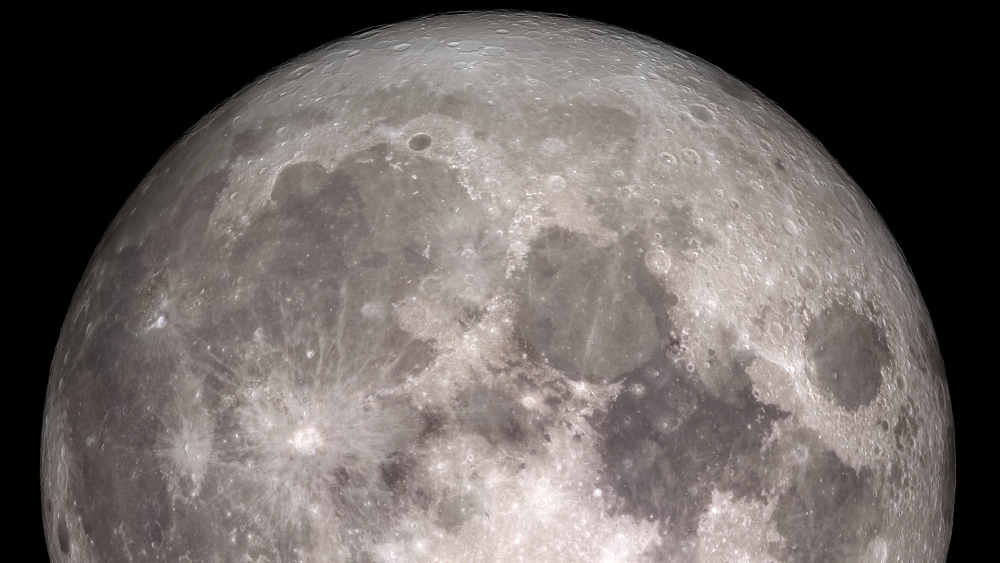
(497, 287)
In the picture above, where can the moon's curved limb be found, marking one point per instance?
(481, 287)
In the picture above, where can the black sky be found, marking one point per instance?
(882, 93)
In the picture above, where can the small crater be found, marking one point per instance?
(790, 227)
(691, 156)
(420, 141)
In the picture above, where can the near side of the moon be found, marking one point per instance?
(497, 287)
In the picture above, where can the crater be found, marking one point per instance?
(701, 113)
(848, 352)
(420, 141)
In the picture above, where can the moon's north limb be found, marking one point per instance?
(489, 287)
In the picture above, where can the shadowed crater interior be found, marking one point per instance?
(420, 141)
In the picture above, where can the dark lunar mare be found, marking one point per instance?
(667, 440)
(588, 311)
(848, 351)
(830, 511)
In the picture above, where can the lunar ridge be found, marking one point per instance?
(493, 287)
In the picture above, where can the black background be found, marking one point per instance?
(889, 95)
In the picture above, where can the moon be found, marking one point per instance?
(495, 287)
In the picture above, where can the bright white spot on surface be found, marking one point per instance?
(556, 183)
(306, 440)
(658, 261)
(373, 311)
(160, 322)
(790, 227)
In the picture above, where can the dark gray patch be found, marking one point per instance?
(62, 533)
(395, 472)
(420, 141)
(414, 257)
(733, 87)
(593, 313)
(896, 476)
(848, 352)
(413, 358)
(904, 430)
(667, 442)
(948, 475)
(189, 219)
(468, 316)
(433, 423)
(302, 239)
(375, 260)
(807, 277)
(829, 513)
(454, 510)
(495, 416)
(133, 492)
(701, 113)
(930, 359)
(261, 136)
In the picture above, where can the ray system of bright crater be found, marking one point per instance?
(497, 287)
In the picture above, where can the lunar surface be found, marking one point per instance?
(497, 287)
